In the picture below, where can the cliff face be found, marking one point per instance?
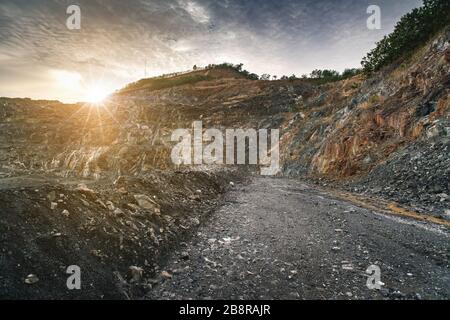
(130, 134)
(354, 125)
(355, 131)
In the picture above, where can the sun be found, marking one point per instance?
(96, 94)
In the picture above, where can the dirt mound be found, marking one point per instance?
(103, 227)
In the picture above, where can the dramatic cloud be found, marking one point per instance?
(122, 41)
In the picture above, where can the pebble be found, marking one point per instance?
(184, 255)
(166, 275)
(31, 279)
(136, 274)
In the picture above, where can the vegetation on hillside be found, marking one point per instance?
(324, 76)
(413, 30)
(235, 67)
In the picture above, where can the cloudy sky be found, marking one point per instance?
(41, 58)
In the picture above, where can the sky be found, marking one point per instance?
(123, 41)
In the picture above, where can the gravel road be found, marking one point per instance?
(282, 239)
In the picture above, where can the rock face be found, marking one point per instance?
(130, 135)
(354, 125)
(356, 130)
(341, 130)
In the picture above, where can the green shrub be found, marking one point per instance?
(236, 67)
(325, 76)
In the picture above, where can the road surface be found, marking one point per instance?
(282, 239)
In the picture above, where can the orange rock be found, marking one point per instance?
(447, 55)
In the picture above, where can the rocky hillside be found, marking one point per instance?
(386, 135)
(94, 185)
(337, 130)
(103, 173)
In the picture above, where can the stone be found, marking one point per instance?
(184, 255)
(136, 274)
(122, 190)
(146, 203)
(166, 275)
(118, 211)
(31, 279)
(51, 196)
(110, 206)
(84, 189)
(348, 267)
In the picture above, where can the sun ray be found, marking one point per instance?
(86, 121)
(83, 106)
(111, 115)
(101, 124)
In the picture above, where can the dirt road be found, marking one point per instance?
(281, 239)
